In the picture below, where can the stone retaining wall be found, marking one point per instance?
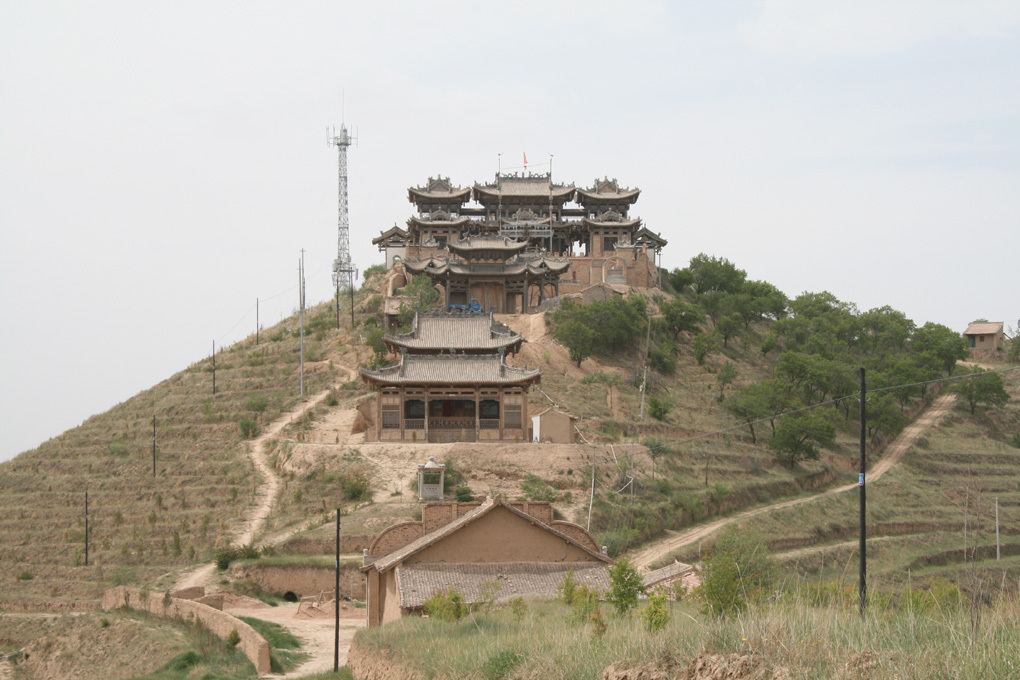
(302, 580)
(219, 623)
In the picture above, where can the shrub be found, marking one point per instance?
(567, 588)
(447, 605)
(518, 607)
(355, 486)
(598, 624)
(500, 664)
(464, 494)
(104, 623)
(627, 584)
(719, 492)
(737, 572)
(249, 428)
(25, 576)
(331, 399)
(233, 638)
(536, 489)
(655, 615)
(224, 557)
(659, 408)
(1016, 440)
(584, 603)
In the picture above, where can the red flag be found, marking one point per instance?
(525, 161)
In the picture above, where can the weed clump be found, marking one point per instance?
(447, 605)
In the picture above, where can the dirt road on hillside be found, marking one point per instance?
(269, 489)
(643, 559)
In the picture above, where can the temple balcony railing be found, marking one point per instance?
(414, 423)
(488, 424)
(452, 423)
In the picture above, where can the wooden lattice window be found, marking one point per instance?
(391, 417)
(511, 417)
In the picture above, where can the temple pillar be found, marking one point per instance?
(478, 405)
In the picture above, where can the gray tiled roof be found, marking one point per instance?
(525, 187)
(452, 369)
(666, 573)
(458, 332)
(418, 582)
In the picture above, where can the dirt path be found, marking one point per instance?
(269, 489)
(316, 635)
(930, 417)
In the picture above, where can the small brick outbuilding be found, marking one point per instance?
(985, 335)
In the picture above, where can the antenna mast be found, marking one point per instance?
(344, 271)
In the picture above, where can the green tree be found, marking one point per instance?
(943, 343)
(704, 344)
(883, 415)
(424, 296)
(627, 585)
(578, 338)
(985, 388)
(799, 436)
(738, 571)
(727, 374)
(715, 273)
(679, 317)
(728, 327)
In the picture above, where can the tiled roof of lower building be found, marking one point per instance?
(419, 582)
(983, 328)
(452, 369)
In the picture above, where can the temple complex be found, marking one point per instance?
(452, 382)
(508, 245)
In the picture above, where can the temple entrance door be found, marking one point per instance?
(452, 420)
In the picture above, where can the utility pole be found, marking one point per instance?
(863, 549)
(301, 306)
(214, 367)
(153, 446)
(998, 547)
(591, 501)
(256, 322)
(338, 304)
(86, 528)
(644, 379)
(336, 600)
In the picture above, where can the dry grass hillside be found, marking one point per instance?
(142, 526)
(147, 530)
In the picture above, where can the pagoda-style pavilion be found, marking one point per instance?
(505, 242)
(494, 270)
(452, 382)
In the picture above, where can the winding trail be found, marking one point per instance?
(643, 559)
(268, 492)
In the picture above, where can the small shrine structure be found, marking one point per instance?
(430, 480)
(452, 382)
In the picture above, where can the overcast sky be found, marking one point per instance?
(162, 163)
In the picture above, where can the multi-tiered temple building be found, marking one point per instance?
(452, 382)
(508, 245)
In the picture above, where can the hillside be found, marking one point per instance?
(146, 529)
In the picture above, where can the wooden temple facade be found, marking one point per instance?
(522, 238)
(452, 382)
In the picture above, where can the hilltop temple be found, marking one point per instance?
(508, 245)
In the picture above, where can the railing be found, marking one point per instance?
(445, 436)
(488, 424)
(452, 424)
(414, 423)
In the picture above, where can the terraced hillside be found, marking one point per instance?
(143, 526)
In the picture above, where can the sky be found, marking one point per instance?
(162, 164)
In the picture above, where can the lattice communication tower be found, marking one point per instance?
(344, 271)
